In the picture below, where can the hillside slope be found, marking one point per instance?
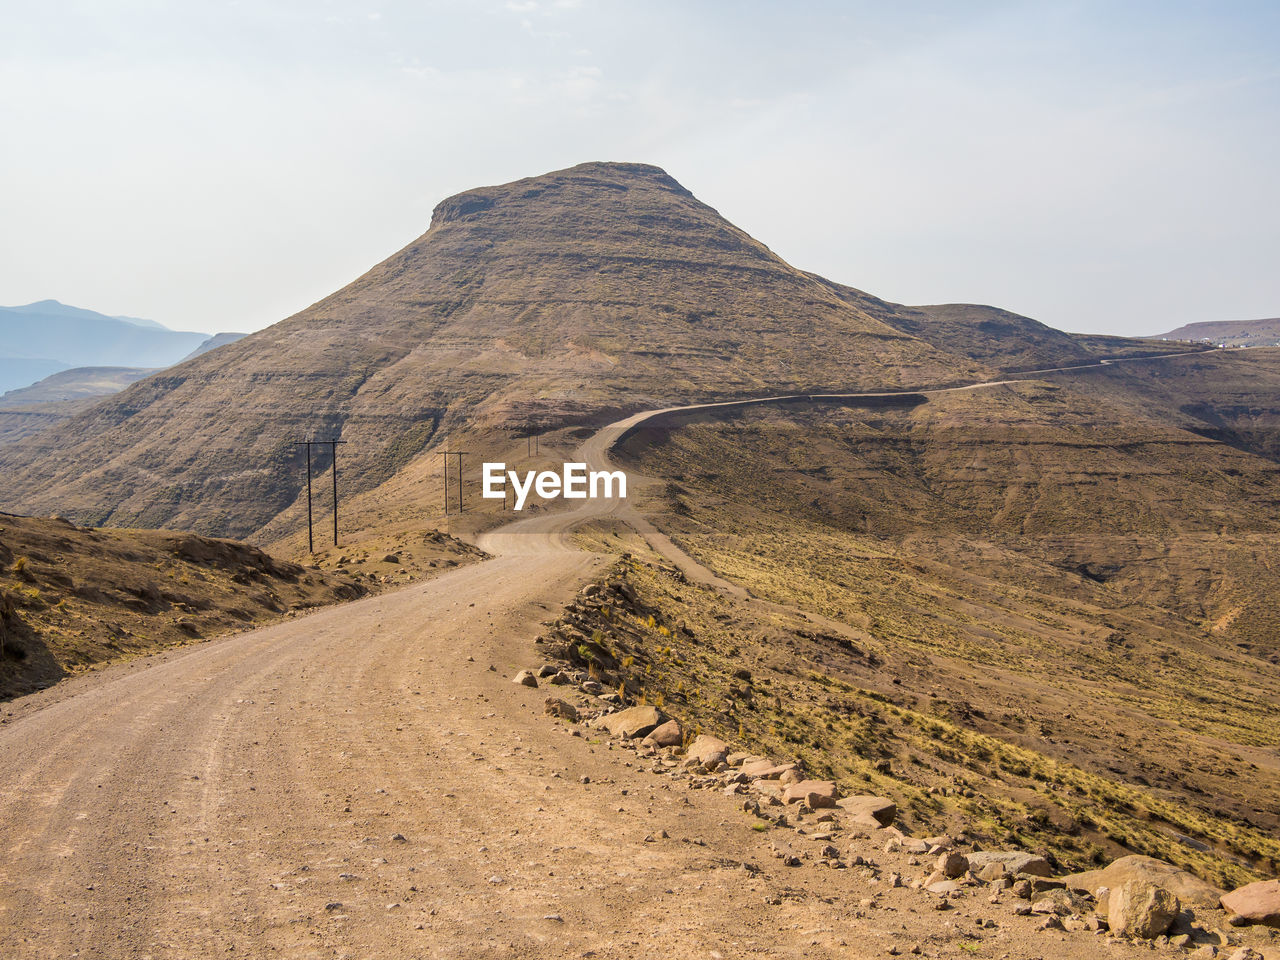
(1027, 564)
(557, 299)
(1232, 333)
(71, 598)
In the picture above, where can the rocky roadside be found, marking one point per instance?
(807, 825)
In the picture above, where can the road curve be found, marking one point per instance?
(367, 782)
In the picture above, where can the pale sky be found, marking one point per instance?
(1101, 166)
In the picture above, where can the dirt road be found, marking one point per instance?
(367, 782)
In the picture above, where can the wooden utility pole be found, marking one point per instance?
(333, 447)
(446, 454)
(444, 475)
(311, 541)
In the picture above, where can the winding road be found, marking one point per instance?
(366, 781)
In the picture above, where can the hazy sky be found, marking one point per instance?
(1102, 166)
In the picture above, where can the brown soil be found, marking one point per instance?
(72, 599)
(367, 781)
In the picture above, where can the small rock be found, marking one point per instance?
(1139, 908)
(667, 734)
(953, 864)
(991, 872)
(759, 769)
(1254, 903)
(708, 751)
(870, 811)
(1051, 923)
(813, 793)
(633, 722)
(525, 678)
(560, 709)
(1012, 861)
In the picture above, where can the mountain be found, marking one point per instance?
(16, 372)
(214, 342)
(1231, 333)
(140, 322)
(1007, 341)
(552, 301)
(557, 299)
(48, 332)
(77, 383)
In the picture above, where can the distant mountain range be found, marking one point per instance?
(46, 337)
(1232, 333)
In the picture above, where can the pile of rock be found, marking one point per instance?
(1134, 897)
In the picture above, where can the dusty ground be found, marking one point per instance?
(361, 783)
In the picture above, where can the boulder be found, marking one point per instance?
(1013, 861)
(668, 734)
(1188, 888)
(708, 750)
(560, 709)
(991, 872)
(870, 811)
(633, 722)
(814, 793)
(525, 678)
(1140, 908)
(1254, 903)
(953, 864)
(759, 769)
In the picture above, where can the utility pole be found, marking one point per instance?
(446, 454)
(333, 447)
(311, 541)
(444, 475)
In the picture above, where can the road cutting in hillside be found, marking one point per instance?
(367, 782)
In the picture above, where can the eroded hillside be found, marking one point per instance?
(558, 299)
(71, 598)
(1024, 566)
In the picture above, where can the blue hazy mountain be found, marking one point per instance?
(47, 336)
